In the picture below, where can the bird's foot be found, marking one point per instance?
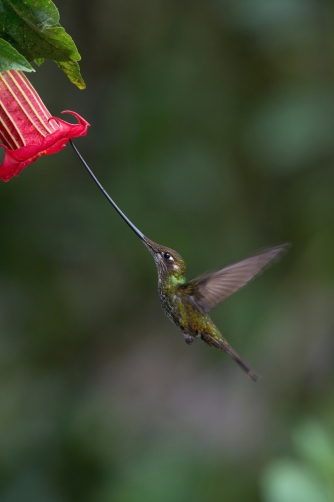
(188, 338)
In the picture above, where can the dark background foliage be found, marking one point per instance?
(212, 127)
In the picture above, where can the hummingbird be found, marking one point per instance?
(188, 303)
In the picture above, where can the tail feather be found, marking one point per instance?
(222, 344)
(227, 348)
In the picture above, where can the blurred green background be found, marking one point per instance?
(212, 127)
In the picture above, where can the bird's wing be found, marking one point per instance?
(204, 292)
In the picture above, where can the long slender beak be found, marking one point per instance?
(151, 246)
(105, 193)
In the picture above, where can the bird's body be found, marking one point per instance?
(193, 324)
(175, 303)
(187, 303)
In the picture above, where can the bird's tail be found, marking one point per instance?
(227, 348)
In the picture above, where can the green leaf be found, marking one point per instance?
(72, 70)
(10, 59)
(315, 444)
(32, 28)
(39, 61)
(288, 481)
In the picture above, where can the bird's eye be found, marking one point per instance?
(168, 257)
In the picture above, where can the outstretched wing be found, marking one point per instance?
(204, 292)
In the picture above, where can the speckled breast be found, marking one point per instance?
(171, 308)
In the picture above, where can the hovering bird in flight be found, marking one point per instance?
(187, 303)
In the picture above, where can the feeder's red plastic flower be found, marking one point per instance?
(27, 129)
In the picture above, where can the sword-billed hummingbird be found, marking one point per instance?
(187, 303)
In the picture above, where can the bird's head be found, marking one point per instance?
(169, 263)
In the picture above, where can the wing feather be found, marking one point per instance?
(206, 291)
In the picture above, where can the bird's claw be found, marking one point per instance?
(188, 338)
